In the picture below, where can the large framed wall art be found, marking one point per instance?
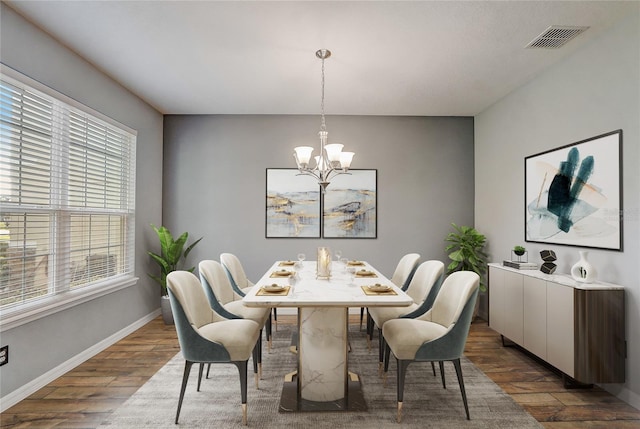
(573, 194)
(293, 205)
(349, 208)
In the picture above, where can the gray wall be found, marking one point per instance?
(595, 91)
(40, 346)
(214, 182)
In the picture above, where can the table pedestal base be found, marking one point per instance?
(289, 401)
(322, 381)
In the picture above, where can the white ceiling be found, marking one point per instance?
(258, 57)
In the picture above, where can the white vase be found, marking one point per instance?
(583, 271)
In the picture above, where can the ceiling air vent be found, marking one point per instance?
(556, 36)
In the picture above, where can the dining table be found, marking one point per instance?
(322, 380)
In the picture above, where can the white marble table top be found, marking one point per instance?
(341, 290)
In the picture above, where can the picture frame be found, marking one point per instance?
(292, 204)
(350, 204)
(573, 194)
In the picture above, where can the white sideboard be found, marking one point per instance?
(576, 327)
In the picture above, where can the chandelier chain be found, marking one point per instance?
(323, 126)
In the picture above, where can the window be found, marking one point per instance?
(67, 196)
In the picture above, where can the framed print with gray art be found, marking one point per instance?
(293, 205)
(573, 194)
(349, 207)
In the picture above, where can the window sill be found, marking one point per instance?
(15, 317)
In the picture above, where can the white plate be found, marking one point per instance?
(379, 288)
(283, 273)
(273, 288)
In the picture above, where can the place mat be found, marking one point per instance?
(277, 275)
(286, 264)
(282, 292)
(368, 291)
(366, 274)
(355, 263)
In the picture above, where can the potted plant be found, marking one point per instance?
(465, 250)
(519, 251)
(172, 257)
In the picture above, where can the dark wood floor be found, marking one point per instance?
(84, 397)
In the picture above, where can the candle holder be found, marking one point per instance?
(323, 270)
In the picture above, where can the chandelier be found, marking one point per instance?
(332, 160)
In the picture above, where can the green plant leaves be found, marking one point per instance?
(466, 251)
(172, 254)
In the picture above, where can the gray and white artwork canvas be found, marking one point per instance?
(293, 205)
(350, 206)
(573, 194)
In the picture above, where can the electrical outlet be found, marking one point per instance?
(4, 355)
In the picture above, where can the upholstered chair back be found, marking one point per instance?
(427, 275)
(213, 276)
(404, 270)
(235, 271)
(456, 290)
(187, 290)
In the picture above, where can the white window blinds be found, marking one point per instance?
(67, 196)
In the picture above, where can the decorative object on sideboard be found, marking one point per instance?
(582, 271)
(549, 258)
(519, 252)
(520, 265)
(331, 161)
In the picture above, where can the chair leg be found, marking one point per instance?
(242, 369)
(256, 362)
(456, 364)
(200, 370)
(387, 355)
(433, 368)
(444, 385)
(361, 317)
(370, 328)
(269, 332)
(381, 344)
(259, 356)
(208, 368)
(185, 378)
(402, 372)
(275, 317)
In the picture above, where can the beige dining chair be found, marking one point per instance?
(438, 335)
(227, 303)
(401, 277)
(206, 337)
(423, 289)
(239, 281)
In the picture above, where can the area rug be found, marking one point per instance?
(217, 405)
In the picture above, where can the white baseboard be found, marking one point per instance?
(33, 386)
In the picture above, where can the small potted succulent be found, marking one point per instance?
(519, 251)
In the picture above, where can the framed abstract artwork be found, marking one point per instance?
(293, 205)
(349, 208)
(573, 194)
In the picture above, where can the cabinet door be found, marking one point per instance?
(513, 306)
(535, 316)
(496, 299)
(560, 331)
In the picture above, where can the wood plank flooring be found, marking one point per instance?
(83, 397)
